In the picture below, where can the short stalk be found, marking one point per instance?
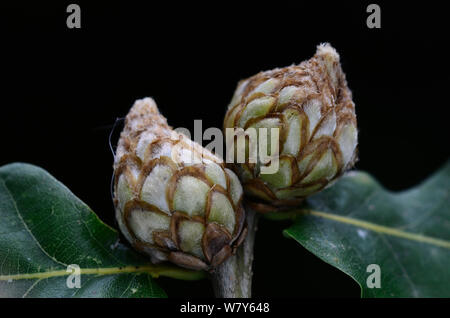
(233, 278)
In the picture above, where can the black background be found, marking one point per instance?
(62, 90)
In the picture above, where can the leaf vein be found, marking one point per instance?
(26, 226)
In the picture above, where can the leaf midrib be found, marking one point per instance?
(381, 229)
(153, 270)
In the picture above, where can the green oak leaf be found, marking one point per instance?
(356, 223)
(44, 228)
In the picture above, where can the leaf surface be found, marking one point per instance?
(356, 223)
(44, 228)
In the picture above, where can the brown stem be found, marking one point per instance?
(233, 278)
